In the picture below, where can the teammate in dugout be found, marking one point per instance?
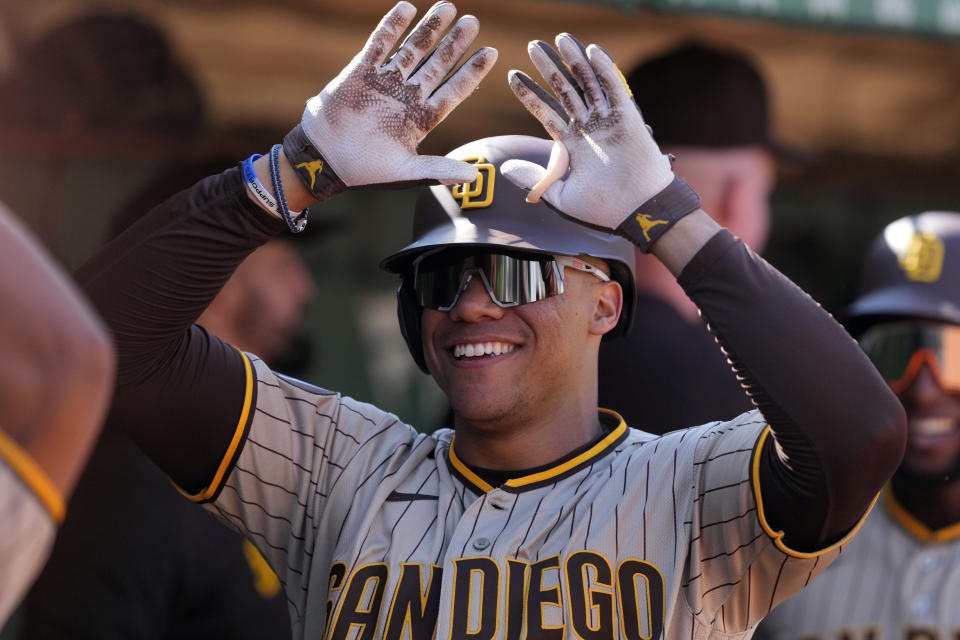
(899, 578)
(536, 515)
(55, 381)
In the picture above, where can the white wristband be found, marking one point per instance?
(256, 188)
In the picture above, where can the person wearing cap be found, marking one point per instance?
(710, 110)
(900, 577)
(537, 515)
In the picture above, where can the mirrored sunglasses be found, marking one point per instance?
(510, 280)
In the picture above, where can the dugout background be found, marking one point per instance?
(877, 102)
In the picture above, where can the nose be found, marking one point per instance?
(924, 391)
(475, 304)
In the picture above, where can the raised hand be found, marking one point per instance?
(614, 163)
(367, 122)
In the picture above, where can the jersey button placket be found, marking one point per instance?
(499, 499)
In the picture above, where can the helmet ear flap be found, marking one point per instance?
(409, 313)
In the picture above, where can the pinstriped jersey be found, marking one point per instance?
(897, 580)
(28, 533)
(377, 531)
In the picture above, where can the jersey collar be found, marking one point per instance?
(913, 526)
(565, 466)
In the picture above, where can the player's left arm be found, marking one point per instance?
(838, 431)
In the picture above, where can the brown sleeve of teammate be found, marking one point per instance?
(56, 372)
(838, 428)
(180, 391)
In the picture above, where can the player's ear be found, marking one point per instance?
(608, 303)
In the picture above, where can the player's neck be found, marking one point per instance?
(654, 279)
(523, 442)
(935, 505)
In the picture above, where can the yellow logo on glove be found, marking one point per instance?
(313, 168)
(478, 193)
(923, 259)
(646, 224)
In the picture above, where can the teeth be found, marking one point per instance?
(482, 349)
(932, 426)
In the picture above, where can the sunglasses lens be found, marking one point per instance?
(510, 280)
(896, 347)
(438, 286)
(513, 281)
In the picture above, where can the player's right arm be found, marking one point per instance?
(55, 379)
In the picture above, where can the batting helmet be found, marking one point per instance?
(911, 269)
(491, 212)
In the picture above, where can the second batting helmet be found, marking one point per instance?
(911, 269)
(491, 213)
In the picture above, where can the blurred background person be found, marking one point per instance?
(900, 576)
(137, 560)
(710, 109)
(56, 376)
(103, 72)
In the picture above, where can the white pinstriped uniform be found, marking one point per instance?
(27, 527)
(383, 527)
(897, 580)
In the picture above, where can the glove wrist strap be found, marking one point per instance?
(654, 217)
(314, 171)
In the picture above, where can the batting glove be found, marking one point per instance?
(618, 179)
(367, 122)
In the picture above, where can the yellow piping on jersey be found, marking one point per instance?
(522, 481)
(777, 536)
(573, 462)
(913, 526)
(467, 473)
(33, 475)
(218, 477)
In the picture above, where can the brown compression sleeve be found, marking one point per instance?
(838, 428)
(179, 390)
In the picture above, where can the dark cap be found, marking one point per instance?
(697, 95)
(911, 269)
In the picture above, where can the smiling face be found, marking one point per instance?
(920, 359)
(509, 365)
(933, 427)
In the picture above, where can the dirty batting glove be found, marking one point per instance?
(618, 179)
(364, 127)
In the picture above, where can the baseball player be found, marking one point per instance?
(900, 578)
(536, 516)
(55, 379)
